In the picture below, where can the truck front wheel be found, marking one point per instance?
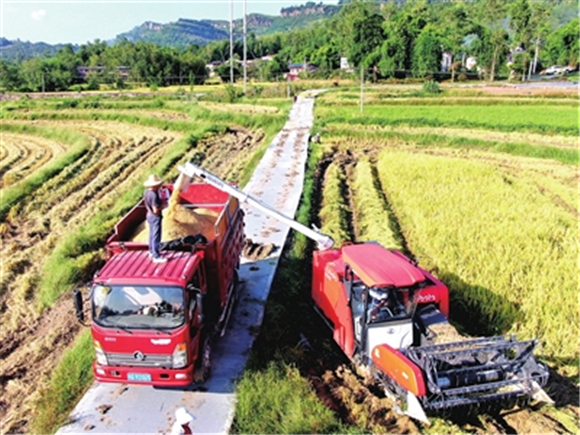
(203, 366)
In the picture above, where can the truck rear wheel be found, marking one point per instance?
(203, 366)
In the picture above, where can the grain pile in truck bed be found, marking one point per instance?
(179, 221)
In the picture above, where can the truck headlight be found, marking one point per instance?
(180, 356)
(100, 354)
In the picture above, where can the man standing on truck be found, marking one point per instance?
(153, 204)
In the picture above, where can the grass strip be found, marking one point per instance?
(334, 213)
(373, 220)
(278, 400)
(70, 379)
(560, 119)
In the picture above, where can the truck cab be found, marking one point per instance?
(148, 319)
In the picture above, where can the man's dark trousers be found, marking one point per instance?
(154, 222)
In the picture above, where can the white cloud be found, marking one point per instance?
(38, 15)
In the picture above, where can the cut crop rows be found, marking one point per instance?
(35, 332)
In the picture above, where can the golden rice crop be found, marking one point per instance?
(512, 251)
(334, 211)
(373, 222)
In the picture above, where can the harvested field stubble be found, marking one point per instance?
(50, 238)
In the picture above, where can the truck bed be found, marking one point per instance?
(195, 196)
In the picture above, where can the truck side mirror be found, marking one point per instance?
(78, 301)
(199, 298)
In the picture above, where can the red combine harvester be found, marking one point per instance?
(153, 323)
(389, 316)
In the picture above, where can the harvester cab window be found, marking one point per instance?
(385, 304)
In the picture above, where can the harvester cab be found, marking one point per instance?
(381, 296)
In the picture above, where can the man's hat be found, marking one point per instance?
(153, 181)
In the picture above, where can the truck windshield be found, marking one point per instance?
(138, 307)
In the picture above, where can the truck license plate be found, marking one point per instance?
(141, 377)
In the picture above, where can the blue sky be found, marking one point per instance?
(82, 21)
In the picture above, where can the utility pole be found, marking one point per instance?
(245, 51)
(232, 42)
(362, 84)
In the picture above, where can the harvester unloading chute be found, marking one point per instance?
(190, 170)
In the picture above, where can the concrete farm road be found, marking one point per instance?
(121, 408)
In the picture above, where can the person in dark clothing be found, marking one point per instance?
(153, 204)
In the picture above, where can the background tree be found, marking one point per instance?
(9, 76)
(521, 23)
(427, 52)
(494, 37)
(455, 24)
(401, 31)
(223, 71)
(275, 68)
(32, 75)
(563, 45)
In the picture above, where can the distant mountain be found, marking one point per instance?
(185, 31)
(181, 33)
(20, 50)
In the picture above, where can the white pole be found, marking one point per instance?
(231, 42)
(362, 82)
(245, 51)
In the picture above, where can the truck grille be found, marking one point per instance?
(142, 360)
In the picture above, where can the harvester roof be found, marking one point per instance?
(376, 266)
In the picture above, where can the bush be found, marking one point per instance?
(233, 94)
(431, 87)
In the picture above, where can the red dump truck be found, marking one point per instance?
(153, 323)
